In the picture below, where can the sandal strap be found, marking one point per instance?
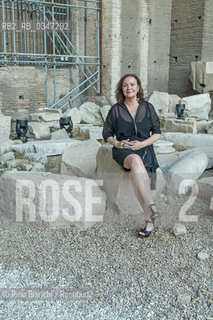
(154, 214)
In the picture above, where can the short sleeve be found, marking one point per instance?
(108, 126)
(154, 120)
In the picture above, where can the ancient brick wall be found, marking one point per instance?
(111, 45)
(159, 45)
(207, 43)
(25, 87)
(186, 43)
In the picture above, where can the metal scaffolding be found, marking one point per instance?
(54, 34)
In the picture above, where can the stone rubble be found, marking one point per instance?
(5, 126)
(38, 131)
(197, 106)
(187, 170)
(59, 210)
(179, 229)
(203, 255)
(80, 159)
(202, 76)
(90, 113)
(170, 268)
(118, 185)
(6, 157)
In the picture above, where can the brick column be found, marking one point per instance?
(111, 45)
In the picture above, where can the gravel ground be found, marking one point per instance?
(125, 277)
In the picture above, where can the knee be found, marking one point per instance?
(136, 162)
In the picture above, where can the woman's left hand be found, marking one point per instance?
(135, 145)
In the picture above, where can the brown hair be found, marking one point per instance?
(119, 91)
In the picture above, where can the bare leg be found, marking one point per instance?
(141, 184)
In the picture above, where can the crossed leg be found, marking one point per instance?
(141, 185)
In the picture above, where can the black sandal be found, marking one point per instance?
(146, 233)
(155, 215)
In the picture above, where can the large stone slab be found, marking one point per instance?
(93, 133)
(6, 146)
(80, 159)
(104, 111)
(205, 189)
(209, 127)
(6, 157)
(46, 147)
(59, 134)
(5, 126)
(202, 76)
(160, 101)
(38, 130)
(90, 113)
(176, 125)
(118, 185)
(189, 140)
(42, 158)
(46, 115)
(75, 115)
(50, 199)
(197, 106)
(187, 170)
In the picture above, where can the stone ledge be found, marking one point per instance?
(117, 183)
(51, 200)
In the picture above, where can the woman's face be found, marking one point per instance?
(130, 87)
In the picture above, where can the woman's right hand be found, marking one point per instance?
(124, 144)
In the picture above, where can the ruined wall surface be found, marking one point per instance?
(186, 43)
(207, 43)
(111, 45)
(159, 45)
(25, 87)
(135, 38)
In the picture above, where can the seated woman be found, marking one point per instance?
(127, 127)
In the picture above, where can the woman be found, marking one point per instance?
(127, 127)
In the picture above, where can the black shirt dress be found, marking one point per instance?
(120, 123)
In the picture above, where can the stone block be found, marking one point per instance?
(90, 113)
(75, 115)
(80, 159)
(183, 173)
(201, 126)
(33, 167)
(189, 140)
(179, 229)
(112, 100)
(38, 130)
(202, 76)
(176, 125)
(160, 101)
(93, 133)
(197, 106)
(6, 157)
(205, 189)
(104, 111)
(51, 200)
(59, 134)
(83, 130)
(5, 126)
(48, 115)
(45, 147)
(42, 158)
(165, 150)
(202, 255)
(11, 164)
(118, 185)
(209, 127)
(6, 146)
